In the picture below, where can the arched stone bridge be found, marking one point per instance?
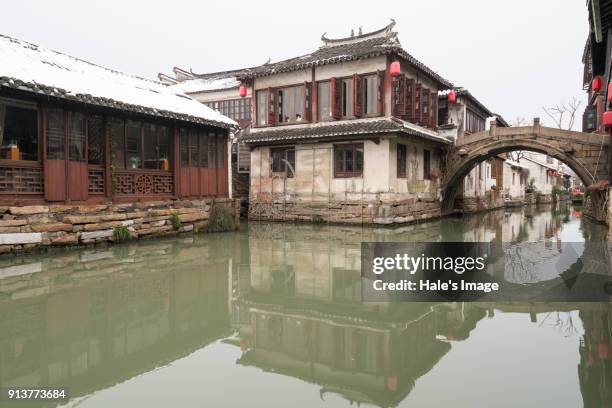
(585, 153)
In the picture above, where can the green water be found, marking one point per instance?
(271, 317)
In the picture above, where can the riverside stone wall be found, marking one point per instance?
(346, 212)
(29, 227)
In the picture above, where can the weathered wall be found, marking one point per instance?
(514, 189)
(23, 228)
(379, 196)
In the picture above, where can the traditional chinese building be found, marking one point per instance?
(74, 135)
(346, 133)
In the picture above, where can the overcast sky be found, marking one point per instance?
(514, 56)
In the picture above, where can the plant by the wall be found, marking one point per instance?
(121, 234)
(175, 221)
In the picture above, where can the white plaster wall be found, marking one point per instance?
(514, 190)
(284, 79)
(221, 95)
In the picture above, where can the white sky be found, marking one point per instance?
(515, 56)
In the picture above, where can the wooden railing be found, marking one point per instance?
(96, 181)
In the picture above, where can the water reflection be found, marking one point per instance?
(287, 298)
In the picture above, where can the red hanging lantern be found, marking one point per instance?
(395, 69)
(556, 174)
(596, 84)
(550, 173)
(452, 97)
(243, 91)
(609, 90)
(607, 119)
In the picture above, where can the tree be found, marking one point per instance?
(563, 114)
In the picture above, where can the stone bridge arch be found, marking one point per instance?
(587, 154)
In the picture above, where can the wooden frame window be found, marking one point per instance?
(290, 104)
(283, 161)
(77, 141)
(426, 164)
(474, 122)
(117, 136)
(95, 140)
(402, 154)
(156, 147)
(18, 131)
(348, 160)
(184, 147)
(324, 105)
(56, 134)
(237, 109)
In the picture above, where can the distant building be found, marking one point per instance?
(483, 185)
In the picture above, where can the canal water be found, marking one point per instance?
(271, 316)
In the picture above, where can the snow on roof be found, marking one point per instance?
(516, 164)
(43, 69)
(196, 85)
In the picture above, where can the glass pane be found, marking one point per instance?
(338, 160)
(211, 150)
(95, 140)
(193, 137)
(133, 144)
(220, 151)
(291, 160)
(204, 150)
(20, 137)
(324, 101)
(77, 137)
(262, 107)
(359, 158)
(347, 98)
(348, 154)
(164, 148)
(55, 134)
(184, 147)
(117, 143)
(299, 103)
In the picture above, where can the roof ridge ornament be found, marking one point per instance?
(385, 32)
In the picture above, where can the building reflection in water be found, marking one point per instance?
(287, 295)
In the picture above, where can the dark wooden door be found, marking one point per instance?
(55, 155)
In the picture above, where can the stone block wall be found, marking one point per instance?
(28, 227)
(345, 212)
(492, 199)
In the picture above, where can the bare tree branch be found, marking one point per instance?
(564, 110)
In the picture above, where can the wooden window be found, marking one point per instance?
(95, 140)
(212, 150)
(324, 102)
(426, 164)
(280, 157)
(347, 98)
(425, 103)
(474, 122)
(262, 108)
(76, 138)
(184, 147)
(203, 150)
(401, 161)
(290, 102)
(18, 131)
(117, 134)
(56, 137)
(194, 148)
(220, 151)
(156, 141)
(348, 160)
(237, 109)
(370, 95)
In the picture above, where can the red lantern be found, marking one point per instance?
(243, 91)
(395, 69)
(607, 119)
(452, 97)
(550, 173)
(609, 90)
(596, 84)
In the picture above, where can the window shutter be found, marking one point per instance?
(271, 106)
(380, 92)
(433, 109)
(307, 101)
(409, 104)
(417, 104)
(399, 102)
(336, 96)
(357, 96)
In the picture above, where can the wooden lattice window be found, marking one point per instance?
(95, 140)
(76, 138)
(18, 130)
(348, 160)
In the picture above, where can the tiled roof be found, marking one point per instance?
(461, 91)
(326, 130)
(381, 42)
(30, 68)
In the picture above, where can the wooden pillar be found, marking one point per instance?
(176, 153)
